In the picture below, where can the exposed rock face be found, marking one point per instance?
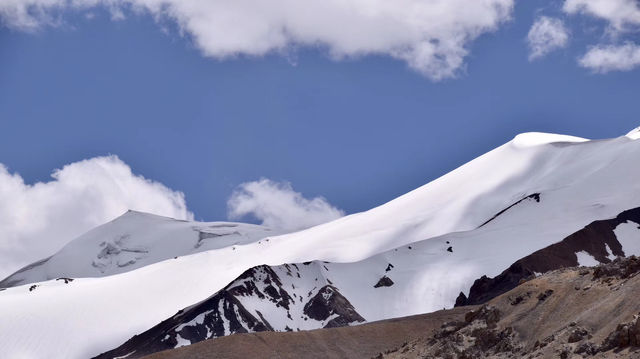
(329, 303)
(384, 282)
(626, 334)
(477, 337)
(263, 298)
(534, 197)
(619, 268)
(592, 239)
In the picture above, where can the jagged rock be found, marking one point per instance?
(461, 300)
(489, 314)
(546, 294)
(546, 341)
(619, 268)
(520, 298)
(485, 288)
(384, 282)
(577, 335)
(477, 337)
(328, 302)
(625, 334)
(587, 348)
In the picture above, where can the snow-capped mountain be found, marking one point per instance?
(293, 297)
(431, 243)
(135, 240)
(289, 297)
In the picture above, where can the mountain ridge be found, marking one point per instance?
(432, 237)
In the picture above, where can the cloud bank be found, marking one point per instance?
(546, 34)
(36, 220)
(278, 206)
(431, 36)
(622, 17)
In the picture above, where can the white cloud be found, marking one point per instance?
(620, 14)
(278, 206)
(606, 58)
(546, 34)
(431, 36)
(36, 220)
(623, 18)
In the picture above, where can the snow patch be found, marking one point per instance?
(125, 356)
(181, 341)
(628, 235)
(610, 254)
(586, 260)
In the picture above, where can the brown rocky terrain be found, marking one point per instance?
(568, 313)
(361, 341)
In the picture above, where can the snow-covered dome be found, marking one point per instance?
(634, 134)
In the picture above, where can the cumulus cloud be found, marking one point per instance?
(606, 58)
(431, 36)
(620, 14)
(278, 206)
(622, 17)
(546, 34)
(37, 219)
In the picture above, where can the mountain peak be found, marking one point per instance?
(634, 134)
(528, 139)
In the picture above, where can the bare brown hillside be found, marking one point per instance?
(361, 341)
(568, 313)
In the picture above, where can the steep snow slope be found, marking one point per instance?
(134, 240)
(460, 200)
(309, 295)
(578, 182)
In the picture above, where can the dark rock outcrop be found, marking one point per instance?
(625, 335)
(593, 239)
(224, 313)
(329, 302)
(535, 197)
(384, 282)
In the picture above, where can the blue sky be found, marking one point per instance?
(358, 131)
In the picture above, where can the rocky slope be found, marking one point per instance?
(597, 240)
(568, 313)
(281, 298)
(361, 341)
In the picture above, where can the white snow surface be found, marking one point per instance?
(135, 240)
(579, 181)
(628, 234)
(586, 260)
